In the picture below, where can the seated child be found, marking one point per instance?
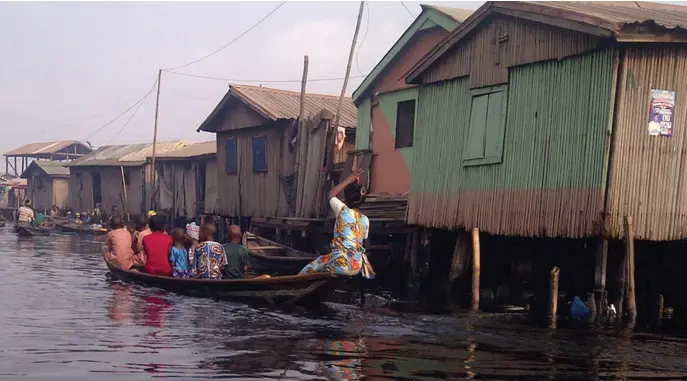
(178, 256)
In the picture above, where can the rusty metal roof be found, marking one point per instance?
(44, 148)
(622, 13)
(49, 168)
(127, 155)
(606, 19)
(190, 151)
(277, 104)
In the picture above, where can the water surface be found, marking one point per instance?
(62, 319)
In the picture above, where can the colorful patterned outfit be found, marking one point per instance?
(348, 254)
(179, 259)
(209, 260)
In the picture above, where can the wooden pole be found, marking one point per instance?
(475, 269)
(126, 197)
(659, 315)
(302, 141)
(553, 297)
(157, 111)
(630, 301)
(348, 68)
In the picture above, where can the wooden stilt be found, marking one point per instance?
(414, 261)
(459, 262)
(553, 297)
(601, 264)
(475, 269)
(630, 301)
(659, 314)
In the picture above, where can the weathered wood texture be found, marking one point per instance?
(502, 42)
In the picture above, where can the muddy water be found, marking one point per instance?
(62, 319)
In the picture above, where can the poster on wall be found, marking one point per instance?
(661, 113)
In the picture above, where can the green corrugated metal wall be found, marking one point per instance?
(362, 132)
(557, 118)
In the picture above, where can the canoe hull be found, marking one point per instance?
(269, 257)
(302, 290)
(27, 231)
(78, 229)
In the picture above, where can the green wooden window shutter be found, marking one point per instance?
(486, 130)
(477, 129)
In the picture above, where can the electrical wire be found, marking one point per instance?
(130, 117)
(409, 12)
(123, 113)
(230, 42)
(262, 80)
(367, 28)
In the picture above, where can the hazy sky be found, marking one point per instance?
(69, 68)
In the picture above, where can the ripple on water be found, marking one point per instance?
(62, 319)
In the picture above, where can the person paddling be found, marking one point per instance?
(351, 227)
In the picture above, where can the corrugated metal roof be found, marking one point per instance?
(283, 104)
(44, 148)
(50, 168)
(609, 19)
(624, 12)
(129, 155)
(191, 150)
(457, 14)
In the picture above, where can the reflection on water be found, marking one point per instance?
(63, 319)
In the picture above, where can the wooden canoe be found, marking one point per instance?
(30, 231)
(78, 229)
(269, 257)
(299, 289)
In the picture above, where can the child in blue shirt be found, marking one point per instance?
(178, 256)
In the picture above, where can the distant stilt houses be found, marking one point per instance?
(115, 175)
(187, 180)
(267, 166)
(43, 175)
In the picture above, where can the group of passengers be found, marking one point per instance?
(184, 253)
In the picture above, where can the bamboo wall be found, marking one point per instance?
(550, 180)
(647, 176)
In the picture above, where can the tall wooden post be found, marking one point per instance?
(553, 297)
(153, 173)
(126, 197)
(630, 302)
(475, 269)
(348, 67)
(302, 141)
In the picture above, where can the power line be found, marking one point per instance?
(367, 28)
(130, 117)
(230, 42)
(409, 12)
(124, 112)
(261, 80)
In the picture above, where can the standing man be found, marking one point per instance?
(238, 259)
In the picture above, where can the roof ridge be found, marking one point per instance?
(263, 88)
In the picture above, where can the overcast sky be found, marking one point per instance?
(69, 68)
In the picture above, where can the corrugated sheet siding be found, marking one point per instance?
(647, 179)
(487, 62)
(362, 133)
(550, 180)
